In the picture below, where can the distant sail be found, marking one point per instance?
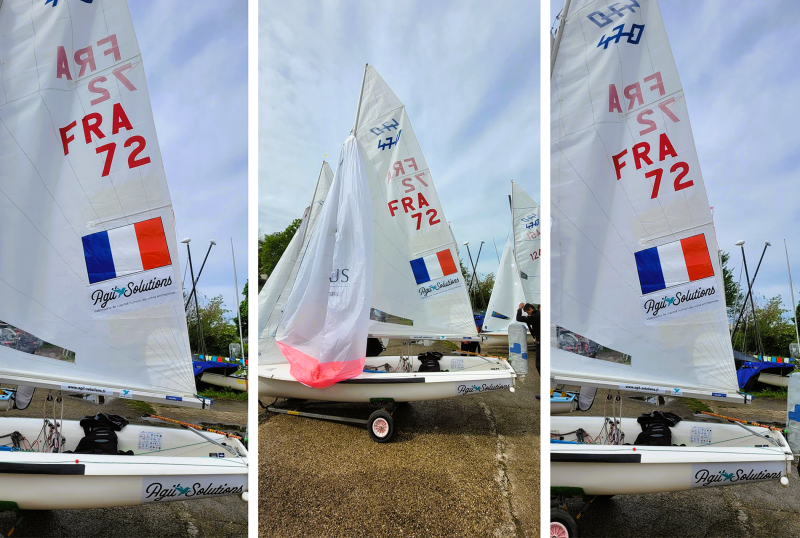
(507, 293)
(634, 263)
(272, 298)
(323, 333)
(90, 278)
(527, 242)
(418, 287)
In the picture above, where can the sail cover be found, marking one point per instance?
(527, 242)
(323, 333)
(634, 263)
(506, 294)
(90, 280)
(419, 289)
(272, 298)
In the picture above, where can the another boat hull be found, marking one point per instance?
(773, 379)
(229, 381)
(275, 381)
(499, 339)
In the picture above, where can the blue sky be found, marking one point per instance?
(467, 71)
(195, 59)
(738, 70)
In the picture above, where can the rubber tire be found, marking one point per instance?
(558, 515)
(386, 416)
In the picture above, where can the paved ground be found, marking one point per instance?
(731, 512)
(217, 517)
(464, 466)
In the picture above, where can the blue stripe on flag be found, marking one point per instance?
(420, 271)
(99, 262)
(649, 266)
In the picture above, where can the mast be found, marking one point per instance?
(360, 97)
(554, 53)
(791, 289)
(319, 176)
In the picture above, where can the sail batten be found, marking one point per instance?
(635, 270)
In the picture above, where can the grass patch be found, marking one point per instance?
(696, 405)
(772, 393)
(224, 394)
(141, 407)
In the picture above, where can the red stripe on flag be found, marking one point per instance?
(446, 261)
(152, 243)
(695, 252)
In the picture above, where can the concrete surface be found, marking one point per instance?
(465, 466)
(762, 509)
(214, 517)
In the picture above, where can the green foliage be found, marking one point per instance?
(141, 407)
(243, 310)
(778, 393)
(733, 293)
(271, 247)
(776, 329)
(224, 394)
(696, 405)
(481, 288)
(218, 332)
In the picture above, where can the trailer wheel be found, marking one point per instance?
(381, 426)
(562, 524)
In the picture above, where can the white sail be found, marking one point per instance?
(507, 293)
(418, 288)
(88, 256)
(527, 242)
(273, 296)
(634, 262)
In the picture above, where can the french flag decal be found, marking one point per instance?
(433, 266)
(673, 264)
(126, 250)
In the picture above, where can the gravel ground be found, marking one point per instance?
(458, 467)
(764, 509)
(215, 517)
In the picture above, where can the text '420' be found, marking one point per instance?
(91, 126)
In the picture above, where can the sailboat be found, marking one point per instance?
(634, 265)
(508, 291)
(89, 270)
(413, 288)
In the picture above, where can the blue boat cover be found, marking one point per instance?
(223, 368)
(751, 369)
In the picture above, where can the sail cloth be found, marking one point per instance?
(626, 192)
(83, 192)
(507, 293)
(272, 298)
(324, 332)
(418, 287)
(527, 242)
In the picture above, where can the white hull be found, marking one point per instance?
(181, 470)
(500, 339)
(774, 379)
(595, 469)
(230, 381)
(475, 375)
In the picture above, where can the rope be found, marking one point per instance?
(742, 421)
(196, 427)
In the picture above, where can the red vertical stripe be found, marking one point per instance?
(446, 261)
(152, 243)
(695, 252)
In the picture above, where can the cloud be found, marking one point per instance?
(468, 73)
(195, 59)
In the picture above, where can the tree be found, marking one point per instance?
(481, 288)
(243, 310)
(218, 332)
(271, 247)
(776, 330)
(733, 294)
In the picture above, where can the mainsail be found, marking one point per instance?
(272, 298)
(89, 270)
(634, 262)
(527, 242)
(507, 293)
(418, 287)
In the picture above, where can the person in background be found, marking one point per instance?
(529, 315)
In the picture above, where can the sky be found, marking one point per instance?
(195, 60)
(739, 76)
(467, 72)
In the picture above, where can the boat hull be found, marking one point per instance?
(499, 339)
(54, 481)
(229, 381)
(595, 469)
(773, 379)
(275, 381)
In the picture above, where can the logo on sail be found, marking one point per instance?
(436, 274)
